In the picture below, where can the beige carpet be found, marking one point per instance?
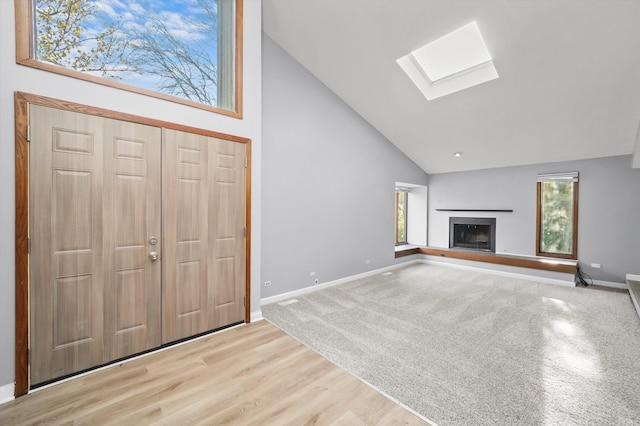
(463, 347)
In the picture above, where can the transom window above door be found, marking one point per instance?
(186, 51)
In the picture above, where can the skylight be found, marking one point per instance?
(457, 61)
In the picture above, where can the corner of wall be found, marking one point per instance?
(635, 161)
(6, 393)
(256, 316)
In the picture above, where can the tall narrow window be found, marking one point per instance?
(401, 216)
(186, 51)
(557, 215)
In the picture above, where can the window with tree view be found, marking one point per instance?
(401, 216)
(557, 215)
(183, 50)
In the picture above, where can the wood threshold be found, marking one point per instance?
(544, 264)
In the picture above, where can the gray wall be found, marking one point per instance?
(608, 211)
(328, 182)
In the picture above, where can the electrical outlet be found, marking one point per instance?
(367, 262)
(596, 265)
(267, 283)
(311, 274)
(315, 282)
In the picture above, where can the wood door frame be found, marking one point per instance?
(21, 105)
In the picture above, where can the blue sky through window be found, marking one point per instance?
(165, 46)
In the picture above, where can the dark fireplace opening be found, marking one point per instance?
(473, 233)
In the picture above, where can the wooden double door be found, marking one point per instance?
(137, 238)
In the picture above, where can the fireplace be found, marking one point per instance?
(472, 233)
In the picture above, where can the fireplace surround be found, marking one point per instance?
(473, 233)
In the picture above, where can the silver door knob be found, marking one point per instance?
(153, 255)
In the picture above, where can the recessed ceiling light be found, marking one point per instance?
(451, 63)
(457, 154)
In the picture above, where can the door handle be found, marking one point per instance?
(153, 255)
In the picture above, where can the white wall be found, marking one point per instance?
(417, 215)
(19, 78)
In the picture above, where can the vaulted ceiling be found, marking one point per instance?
(569, 85)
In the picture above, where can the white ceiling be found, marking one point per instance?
(569, 85)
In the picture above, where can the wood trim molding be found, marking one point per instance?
(22, 101)
(576, 201)
(545, 264)
(24, 37)
(538, 216)
(239, 58)
(247, 266)
(85, 109)
(25, 56)
(22, 248)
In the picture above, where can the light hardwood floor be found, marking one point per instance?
(249, 375)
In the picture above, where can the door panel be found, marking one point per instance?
(133, 213)
(227, 218)
(94, 198)
(203, 276)
(184, 180)
(67, 252)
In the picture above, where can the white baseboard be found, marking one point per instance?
(610, 284)
(635, 301)
(6, 393)
(311, 289)
(502, 273)
(633, 277)
(256, 316)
